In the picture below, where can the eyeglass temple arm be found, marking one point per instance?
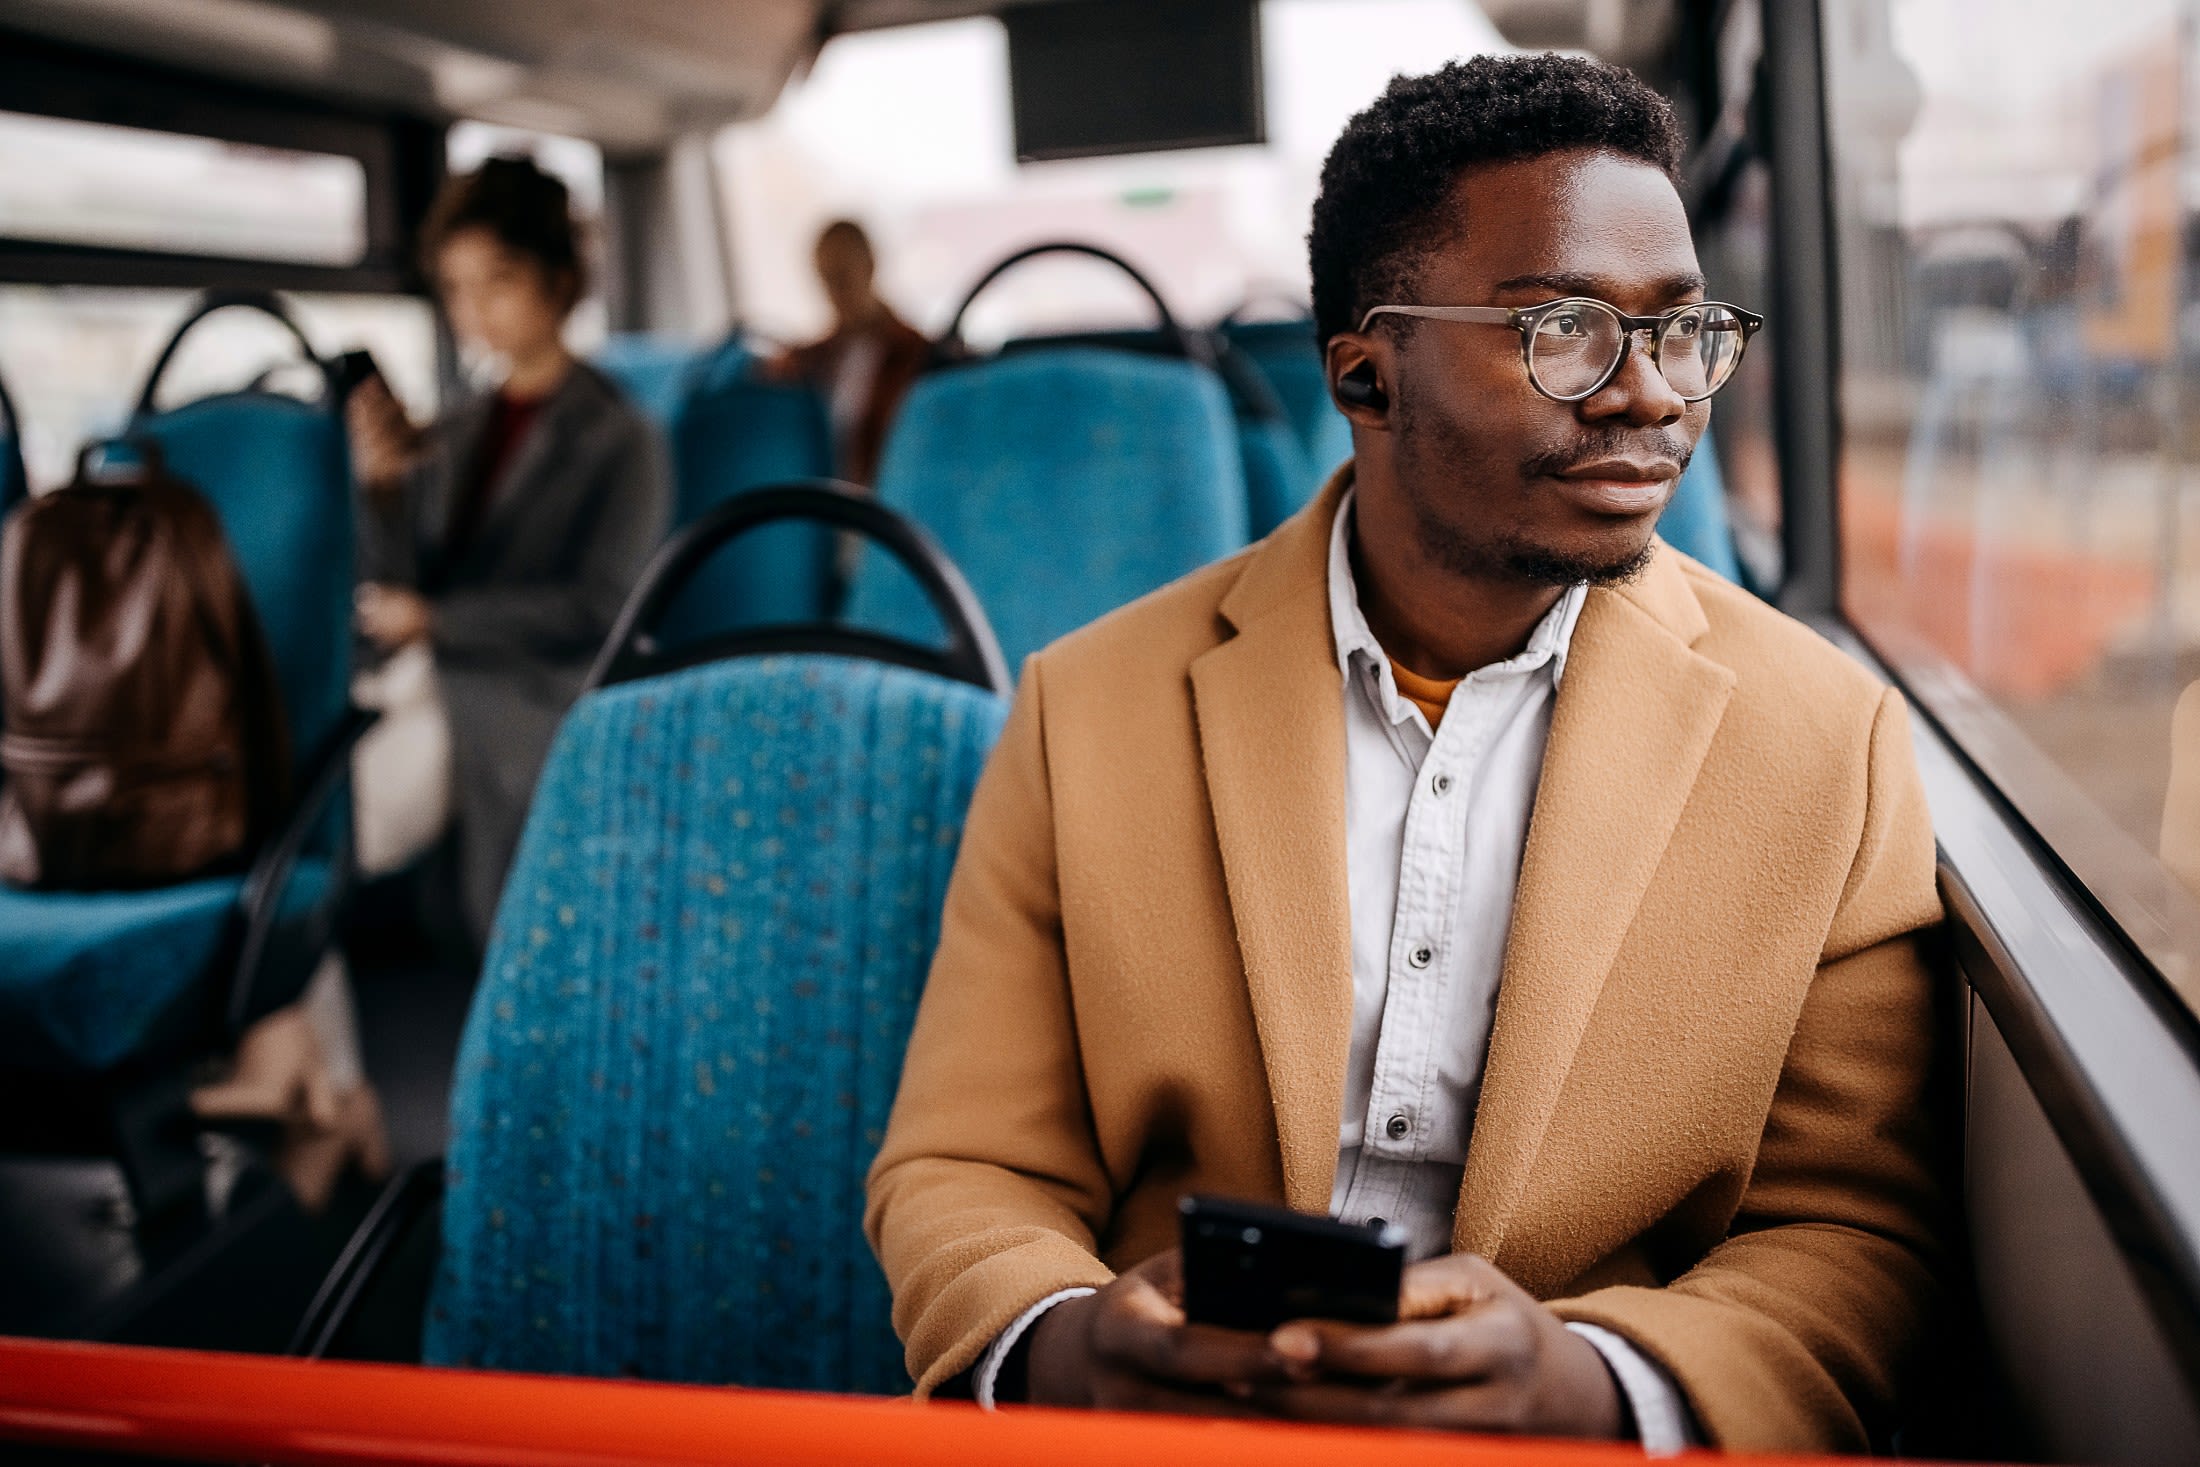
(1492, 315)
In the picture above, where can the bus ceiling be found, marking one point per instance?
(628, 75)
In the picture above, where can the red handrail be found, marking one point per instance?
(185, 1403)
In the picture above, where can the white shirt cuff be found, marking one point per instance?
(989, 1364)
(1662, 1417)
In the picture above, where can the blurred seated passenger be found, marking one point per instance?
(864, 365)
(301, 1068)
(499, 542)
(1461, 859)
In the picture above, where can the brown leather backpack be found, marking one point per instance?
(141, 734)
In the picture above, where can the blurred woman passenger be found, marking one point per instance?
(864, 365)
(499, 542)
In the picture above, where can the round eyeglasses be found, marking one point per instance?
(1575, 346)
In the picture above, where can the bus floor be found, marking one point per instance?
(412, 993)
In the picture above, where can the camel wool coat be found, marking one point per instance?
(1704, 1123)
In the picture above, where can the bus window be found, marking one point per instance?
(908, 129)
(2019, 308)
(75, 357)
(87, 183)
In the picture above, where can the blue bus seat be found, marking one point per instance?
(1064, 482)
(691, 1023)
(1278, 480)
(92, 979)
(734, 433)
(1291, 360)
(1695, 522)
(278, 472)
(652, 369)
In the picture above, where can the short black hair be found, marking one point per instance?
(1396, 163)
(528, 210)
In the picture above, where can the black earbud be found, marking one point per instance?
(1359, 388)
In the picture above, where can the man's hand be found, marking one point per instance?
(1129, 1348)
(391, 616)
(1472, 1351)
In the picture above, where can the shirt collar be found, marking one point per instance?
(1547, 644)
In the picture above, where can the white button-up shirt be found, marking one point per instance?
(1436, 823)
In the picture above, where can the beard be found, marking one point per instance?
(1426, 481)
(1543, 565)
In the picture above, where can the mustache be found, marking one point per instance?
(1603, 443)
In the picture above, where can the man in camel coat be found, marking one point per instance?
(1459, 857)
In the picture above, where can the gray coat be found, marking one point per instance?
(521, 612)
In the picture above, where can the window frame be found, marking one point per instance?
(401, 156)
(1790, 105)
(2070, 833)
(2098, 1027)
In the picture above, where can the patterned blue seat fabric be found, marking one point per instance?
(1063, 482)
(734, 433)
(1291, 360)
(1695, 522)
(86, 978)
(691, 1023)
(1278, 481)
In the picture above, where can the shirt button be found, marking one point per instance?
(1421, 956)
(1441, 784)
(1398, 1127)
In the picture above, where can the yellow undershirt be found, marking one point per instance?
(1428, 694)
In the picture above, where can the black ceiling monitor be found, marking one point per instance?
(1094, 77)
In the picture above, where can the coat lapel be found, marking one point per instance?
(546, 444)
(1635, 715)
(1270, 707)
(460, 440)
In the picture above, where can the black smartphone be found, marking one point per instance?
(349, 370)
(1247, 1266)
